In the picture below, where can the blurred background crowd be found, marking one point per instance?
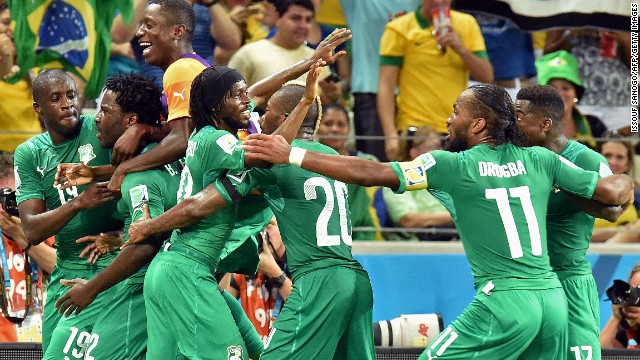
(388, 99)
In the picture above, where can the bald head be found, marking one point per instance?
(42, 82)
(288, 97)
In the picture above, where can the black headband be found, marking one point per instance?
(216, 82)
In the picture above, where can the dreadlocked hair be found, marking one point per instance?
(137, 94)
(201, 113)
(494, 104)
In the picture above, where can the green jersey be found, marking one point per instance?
(240, 253)
(498, 199)
(569, 228)
(311, 209)
(157, 187)
(36, 162)
(210, 153)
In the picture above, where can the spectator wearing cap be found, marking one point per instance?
(560, 70)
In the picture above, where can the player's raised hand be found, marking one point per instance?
(70, 174)
(76, 299)
(327, 46)
(271, 148)
(138, 230)
(100, 245)
(311, 88)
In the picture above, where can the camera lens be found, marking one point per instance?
(8, 201)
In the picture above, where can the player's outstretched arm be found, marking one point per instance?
(349, 169)
(171, 148)
(83, 292)
(614, 190)
(261, 91)
(185, 213)
(40, 224)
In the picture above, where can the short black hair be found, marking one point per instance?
(282, 6)
(178, 12)
(41, 82)
(137, 94)
(545, 100)
(494, 104)
(288, 98)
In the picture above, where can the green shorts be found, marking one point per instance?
(584, 317)
(187, 317)
(68, 337)
(327, 316)
(121, 330)
(513, 324)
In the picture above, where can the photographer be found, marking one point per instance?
(16, 258)
(623, 328)
(263, 295)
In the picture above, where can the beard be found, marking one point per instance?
(458, 144)
(235, 124)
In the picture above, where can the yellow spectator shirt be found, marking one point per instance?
(429, 81)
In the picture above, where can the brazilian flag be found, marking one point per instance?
(74, 35)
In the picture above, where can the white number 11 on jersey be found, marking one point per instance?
(502, 199)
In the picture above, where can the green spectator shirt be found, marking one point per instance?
(36, 162)
(498, 199)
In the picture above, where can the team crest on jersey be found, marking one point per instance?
(227, 143)
(138, 195)
(86, 153)
(235, 353)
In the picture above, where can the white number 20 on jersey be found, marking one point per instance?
(322, 224)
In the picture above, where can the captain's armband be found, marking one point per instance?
(415, 172)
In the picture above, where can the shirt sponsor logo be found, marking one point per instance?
(427, 160)
(138, 195)
(180, 94)
(507, 170)
(86, 153)
(227, 143)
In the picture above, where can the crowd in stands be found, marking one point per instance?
(388, 99)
